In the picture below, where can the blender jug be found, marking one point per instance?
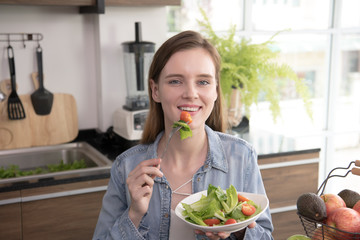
(137, 59)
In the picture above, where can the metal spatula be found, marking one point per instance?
(15, 108)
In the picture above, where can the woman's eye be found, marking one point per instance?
(174, 81)
(204, 82)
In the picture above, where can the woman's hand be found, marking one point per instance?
(214, 235)
(140, 183)
(222, 235)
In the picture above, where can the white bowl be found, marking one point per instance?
(258, 199)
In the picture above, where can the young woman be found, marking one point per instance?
(144, 190)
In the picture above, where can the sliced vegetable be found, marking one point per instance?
(248, 209)
(242, 198)
(15, 171)
(186, 117)
(196, 219)
(212, 221)
(230, 221)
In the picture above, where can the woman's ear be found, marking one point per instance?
(154, 91)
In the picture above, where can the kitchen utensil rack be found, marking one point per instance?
(320, 230)
(20, 37)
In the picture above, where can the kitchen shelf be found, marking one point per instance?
(81, 3)
(142, 2)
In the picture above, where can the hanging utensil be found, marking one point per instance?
(15, 108)
(41, 99)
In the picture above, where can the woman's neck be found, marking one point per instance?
(187, 153)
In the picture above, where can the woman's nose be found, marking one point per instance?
(190, 91)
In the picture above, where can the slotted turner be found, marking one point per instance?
(15, 108)
(41, 99)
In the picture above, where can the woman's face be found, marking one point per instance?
(187, 83)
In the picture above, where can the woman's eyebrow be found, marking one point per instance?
(205, 75)
(171, 75)
(181, 76)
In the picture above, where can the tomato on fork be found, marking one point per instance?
(186, 117)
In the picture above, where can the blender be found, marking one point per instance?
(130, 119)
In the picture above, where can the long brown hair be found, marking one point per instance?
(183, 41)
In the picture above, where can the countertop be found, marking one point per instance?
(111, 145)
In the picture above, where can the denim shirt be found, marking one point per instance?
(230, 160)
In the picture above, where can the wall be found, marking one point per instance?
(82, 53)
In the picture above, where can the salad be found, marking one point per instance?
(185, 130)
(220, 207)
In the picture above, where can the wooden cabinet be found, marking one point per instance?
(66, 211)
(71, 217)
(286, 177)
(10, 215)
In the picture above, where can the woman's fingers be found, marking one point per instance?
(213, 235)
(149, 167)
(140, 182)
(223, 235)
(252, 225)
(219, 235)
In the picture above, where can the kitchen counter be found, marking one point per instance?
(267, 145)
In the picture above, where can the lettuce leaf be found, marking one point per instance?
(185, 130)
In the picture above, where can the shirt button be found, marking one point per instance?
(206, 166)
(166, 215)
(198, 179)
(166, 186)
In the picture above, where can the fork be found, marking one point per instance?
(15, 107)
(174, 130)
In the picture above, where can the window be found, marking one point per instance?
(322, 44)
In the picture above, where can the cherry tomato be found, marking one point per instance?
(230, 221)
(242, 198)
(211, 221)
(186, 117)
(248, 209)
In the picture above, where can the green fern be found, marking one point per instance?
(253, 68)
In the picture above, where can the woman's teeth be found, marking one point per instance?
(189, 109)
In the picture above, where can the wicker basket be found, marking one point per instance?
(319, 230)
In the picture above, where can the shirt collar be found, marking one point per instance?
(216, 156)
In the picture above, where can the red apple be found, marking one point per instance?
(345, 219)
(332, 202)
(356, 207)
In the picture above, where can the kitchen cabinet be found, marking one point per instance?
(286, 177)
(64, 211)
(93, 2)
(10, 215)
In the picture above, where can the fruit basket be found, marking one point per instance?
(317, 230)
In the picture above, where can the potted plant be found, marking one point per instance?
(250, 71)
